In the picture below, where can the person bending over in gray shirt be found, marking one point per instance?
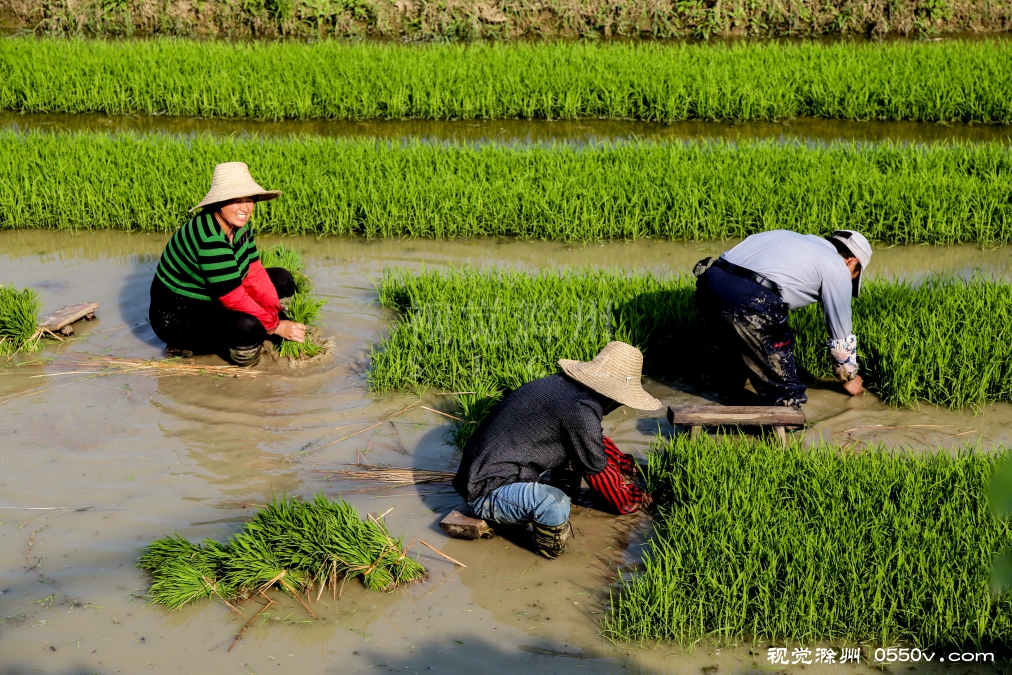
(746, 295)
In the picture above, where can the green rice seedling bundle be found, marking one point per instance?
(303, 307)
(755, 541)
(947, 340)
(940, 194)
(291, 544)
(19, 329)
(472, 408)
(948, 80)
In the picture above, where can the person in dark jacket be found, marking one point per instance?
(210, 293)
(553, 423)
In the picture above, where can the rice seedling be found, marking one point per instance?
(290, 544)
(291, 260)
(473, 407)
(755, 541)
(948, 80)
(302, 307)
(939, 194)
(947, 340)
(19, 328)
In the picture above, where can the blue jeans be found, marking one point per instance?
(521, 503)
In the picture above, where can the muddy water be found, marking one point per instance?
(132, 457)
(808, 129)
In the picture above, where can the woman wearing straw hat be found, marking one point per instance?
(210, 293)
(553, 423)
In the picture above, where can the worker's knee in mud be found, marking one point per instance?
(553, 506)
(284, 282)
(246, 327)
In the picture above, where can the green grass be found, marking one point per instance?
(303, 307)
(754, 541)
(19, 311)
(946, 341)
(939, 194)
(949, 80)
(292, 544)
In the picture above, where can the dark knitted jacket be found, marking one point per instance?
(540, 426)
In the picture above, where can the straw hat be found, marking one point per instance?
(615, 372)
(231, 180)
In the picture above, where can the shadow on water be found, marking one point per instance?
(135, 299)
(807, 129)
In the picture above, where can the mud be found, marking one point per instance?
(811, 130)
(133, 457)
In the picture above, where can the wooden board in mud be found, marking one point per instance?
(61, 320)
(460, 523)
(697, 416)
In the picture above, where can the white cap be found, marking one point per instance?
(859, 247)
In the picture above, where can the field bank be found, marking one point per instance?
(472, 20)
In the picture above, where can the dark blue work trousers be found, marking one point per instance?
(749, 322)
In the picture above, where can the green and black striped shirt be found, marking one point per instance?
(200, 263)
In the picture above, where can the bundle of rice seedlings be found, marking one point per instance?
(303, 307)
(290, 544)
(19, 328)
(755, 541)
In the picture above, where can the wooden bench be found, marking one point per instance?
(699, 416)
(460, 523)
(60, 321)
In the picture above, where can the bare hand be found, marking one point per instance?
(289, 330)
(854, 387)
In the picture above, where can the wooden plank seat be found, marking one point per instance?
(460, 523)
(61, 320)
(698, 416)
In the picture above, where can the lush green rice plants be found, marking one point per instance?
(755, 541)
(948, 80)
(946, 340)
(19, 329)
(303, 307)
(292, 544)
(938, 194)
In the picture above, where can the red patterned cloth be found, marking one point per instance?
(623, 497)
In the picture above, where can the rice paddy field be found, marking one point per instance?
(805, 543)
(704, 190)
(924, 81)
(945, 340)
(179, 513)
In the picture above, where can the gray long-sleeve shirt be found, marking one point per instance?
(806, 267)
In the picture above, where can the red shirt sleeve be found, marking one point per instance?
(623, 497)
(238, 300)
(260, 287)
(626, 463)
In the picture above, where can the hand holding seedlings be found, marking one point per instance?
(290, 330)
(854, 387)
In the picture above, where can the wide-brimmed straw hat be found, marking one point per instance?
(231, 180)
(615, 372)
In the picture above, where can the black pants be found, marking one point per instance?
(208, 327)
(749, 322)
